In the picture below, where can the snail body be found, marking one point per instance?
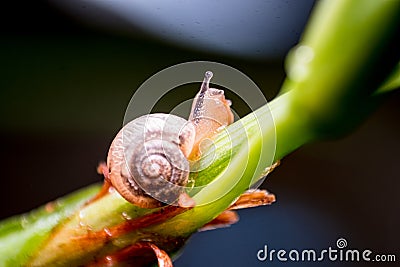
(148, 159)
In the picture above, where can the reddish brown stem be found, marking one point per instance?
(137, 255)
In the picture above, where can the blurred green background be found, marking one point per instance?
(64, 87)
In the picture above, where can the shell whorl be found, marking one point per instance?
(147, 159)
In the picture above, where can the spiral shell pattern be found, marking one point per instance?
(148, 159)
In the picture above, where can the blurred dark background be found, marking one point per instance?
(65, 82)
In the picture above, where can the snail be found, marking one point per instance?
(148, 160)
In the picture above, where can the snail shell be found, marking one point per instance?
(148, 159)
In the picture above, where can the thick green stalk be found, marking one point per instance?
(346, 53)
(332, 77)
(21, 235)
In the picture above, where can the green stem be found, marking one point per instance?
(346, 53)
(21, 235)
(332, 76)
